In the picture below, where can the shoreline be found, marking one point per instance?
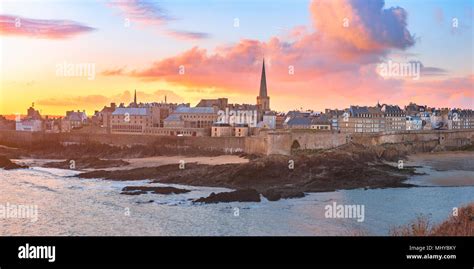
(350, 167)
(275, 177)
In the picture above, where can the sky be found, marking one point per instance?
(318, 54)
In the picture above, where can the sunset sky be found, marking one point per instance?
(335, 48)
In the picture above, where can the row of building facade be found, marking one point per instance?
(217, 117)
(211, 118)
(382, 118)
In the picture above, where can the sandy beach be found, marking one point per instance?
(164, 160)
(149, 161)
(444, 168)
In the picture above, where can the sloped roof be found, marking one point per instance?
(136, 111)
(320, 120)
(358, 110)
(197, 110)
(392, 109)
(299, 121)
(463, 112)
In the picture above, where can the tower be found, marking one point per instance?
(135, 98)
(263, 100)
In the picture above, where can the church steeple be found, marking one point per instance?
(263, 100)
(263, 82)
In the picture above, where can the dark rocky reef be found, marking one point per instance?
(6, 164)
(280, 177)
(87, 162)
(137, 190)
(246, 195)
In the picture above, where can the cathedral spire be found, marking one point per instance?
(263, 82)
(263, 100)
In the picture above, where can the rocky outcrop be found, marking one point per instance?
(350, 167)
(137, 190)
(88, 162)
(247, 195)
(277, 194)
(6, 164)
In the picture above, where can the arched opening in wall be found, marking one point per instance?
(295, 146)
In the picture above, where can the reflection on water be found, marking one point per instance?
(72, 206)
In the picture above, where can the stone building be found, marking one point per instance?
(191, 117)
(33, 121)
(130, 120)
(395, 118)
(461, 119)
(105, 116)
(412, 109)
(320, 123)
(362, 119)
(218, 104)
(334, 115)
(73, 120)
(221, 129)
(241, 130)
(227, 130)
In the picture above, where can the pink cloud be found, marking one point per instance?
(142, 11)
(333, 65)
(98, 100)
(35, 28)
(149, 13)
(449, 92)
(187, 35)
(113, 72)
(363, 25)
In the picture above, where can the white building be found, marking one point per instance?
(414, 123)
(29, 125)
(426, 120)
(268, 122)
(32, 123)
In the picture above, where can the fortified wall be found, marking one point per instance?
(226, 145)
(284, 142)
(266, 143)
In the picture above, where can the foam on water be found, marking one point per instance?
(72, 206)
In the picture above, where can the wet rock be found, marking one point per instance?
(133, 192)
(275, 194)
(6, 164)
(247, 195)
(146, 202)
(137, 190)
(84, 163)
(349, 167)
